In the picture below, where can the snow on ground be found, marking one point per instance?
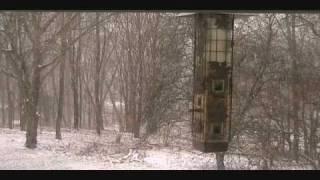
(85, 150)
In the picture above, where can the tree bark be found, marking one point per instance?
(32, 106)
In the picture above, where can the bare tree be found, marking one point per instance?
(61, 82)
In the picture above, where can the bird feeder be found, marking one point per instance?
(212, 87)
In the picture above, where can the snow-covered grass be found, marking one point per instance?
(83, 149)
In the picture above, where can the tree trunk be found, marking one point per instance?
(80, 111)
(61, 100)
(295, 99)
(32, 125)
(138, 117)
(33, 90)
(32, 113)
(288, 135)
(45, 108)
(97, 84)
(220, 160)
(10, 104)
(98, 119)
(3, 104)
(136, 125)
(121, 120)
(61, 86)
(75, 106)
(75, 73)
(89, 114)
(312, 139)
(295, 88)
(78, 75)
(305, 130)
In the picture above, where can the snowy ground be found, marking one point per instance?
(85, 150)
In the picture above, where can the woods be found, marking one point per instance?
(126, 59)
(272, 80)
(133, 72)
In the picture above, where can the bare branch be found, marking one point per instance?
(48, 23)
(311, 25)
(8, 73)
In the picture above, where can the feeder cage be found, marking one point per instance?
(212, 94)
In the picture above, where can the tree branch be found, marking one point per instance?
(8, 74)
(311, 25)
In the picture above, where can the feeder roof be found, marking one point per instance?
(236, 13)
